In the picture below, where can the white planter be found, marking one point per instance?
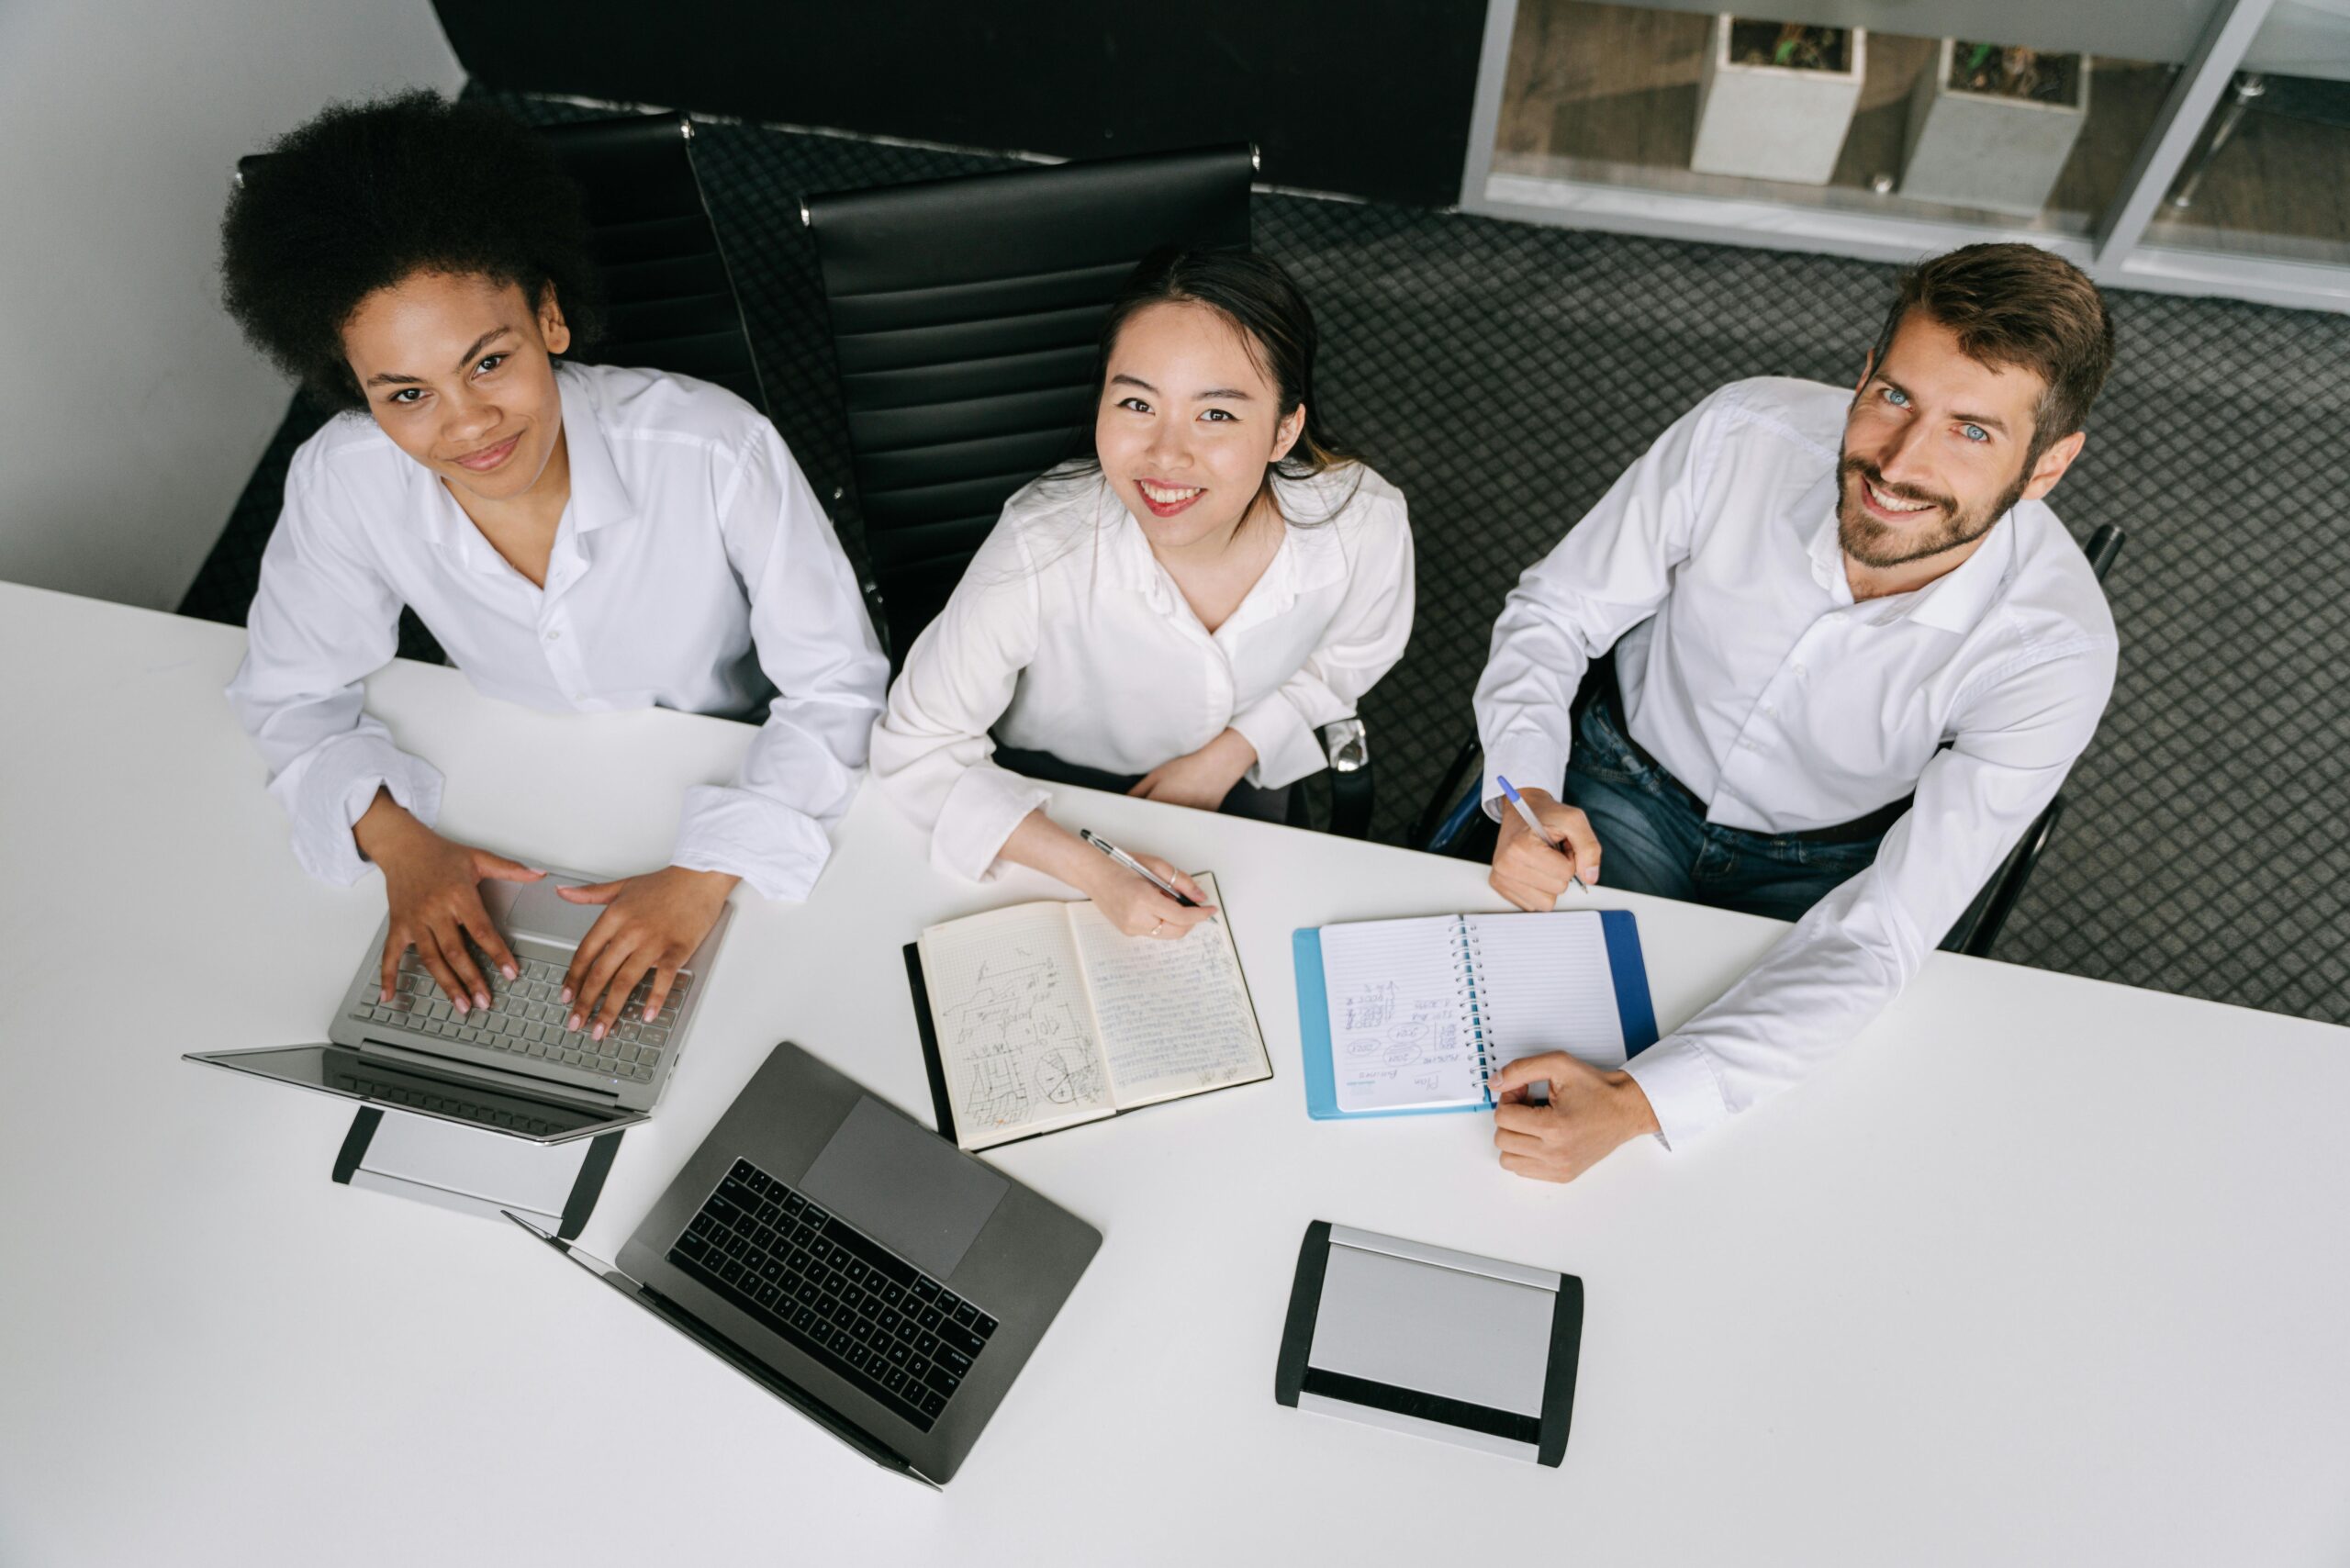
(1770, 122)
(1986, 150)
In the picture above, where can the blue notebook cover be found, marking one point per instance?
(1626, 967)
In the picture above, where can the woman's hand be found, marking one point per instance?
(1136, 908)
(650, 924)
(433, 887)
(1202, 778)
(1131, 904)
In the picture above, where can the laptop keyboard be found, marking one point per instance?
(858, 1308)
(525, 1020)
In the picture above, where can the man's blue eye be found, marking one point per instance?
(1897, 397)
(1976, 432)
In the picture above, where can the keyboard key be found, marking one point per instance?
(953, 1360)
(942, 1380)
(966, 1314)
(959, 1339)
(984, 1326)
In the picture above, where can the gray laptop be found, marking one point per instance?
(854, 1263)
(513, 1069)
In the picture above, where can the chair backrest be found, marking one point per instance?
(963, 317)
(669, 299)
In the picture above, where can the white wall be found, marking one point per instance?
(130, 410)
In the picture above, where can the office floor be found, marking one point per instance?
(1503, 375)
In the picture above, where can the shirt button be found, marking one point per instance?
(554, 636)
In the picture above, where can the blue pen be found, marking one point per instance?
(1535, 824)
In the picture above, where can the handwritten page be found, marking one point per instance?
(1551, 986)
(1017, 1035)
(1399, 1015)
(1175, 1016)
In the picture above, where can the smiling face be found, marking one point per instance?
(1937, 447)
(1188, 423)
(458, 370)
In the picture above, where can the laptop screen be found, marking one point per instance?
(337, 1070)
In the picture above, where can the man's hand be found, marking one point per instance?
(433, 887)
(1201, 778)
(1531, 874)
(1589, 1115)
(650, 924)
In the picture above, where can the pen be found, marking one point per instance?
(1136, 867)
(1535, 823)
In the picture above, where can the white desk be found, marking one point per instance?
(2042, 1270)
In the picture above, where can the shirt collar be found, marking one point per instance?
(1957, 600)
(598, 496)
(1311, 557)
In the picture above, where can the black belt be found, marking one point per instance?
(1860, 830)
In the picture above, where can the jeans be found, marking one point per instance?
(1653, 836)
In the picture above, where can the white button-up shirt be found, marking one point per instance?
(1066, 636)
(1759, 683)
(692, 569)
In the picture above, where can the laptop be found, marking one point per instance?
(854, 1263)
(513, 1069)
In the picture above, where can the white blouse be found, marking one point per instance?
(692, 569)
(1066, 636)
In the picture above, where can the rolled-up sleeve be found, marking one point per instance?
(932, 751)
(1364, 639)
(324, 619)
(1609, 575)
(1851, 954)
(772, 825)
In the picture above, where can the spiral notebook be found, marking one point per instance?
(1405, 1017)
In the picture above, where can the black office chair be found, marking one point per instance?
(963, 317)
(1454, 823)
(669, 296)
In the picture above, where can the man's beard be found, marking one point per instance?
(1881, 546)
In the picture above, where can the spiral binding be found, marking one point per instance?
(1475, 1003)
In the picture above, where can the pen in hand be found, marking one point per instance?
(1138, 868)
(1534, 825)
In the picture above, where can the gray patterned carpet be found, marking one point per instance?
(1503, 375)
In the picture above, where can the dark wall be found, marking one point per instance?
(1368, 98)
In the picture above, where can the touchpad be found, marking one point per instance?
(531, 910)
(909, 1189)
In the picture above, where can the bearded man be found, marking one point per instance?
(1854, 657)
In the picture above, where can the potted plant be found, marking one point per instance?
(1991, 125)
(1777, 99)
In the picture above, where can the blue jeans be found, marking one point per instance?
(1653, 836)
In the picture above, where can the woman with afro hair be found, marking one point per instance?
(579, 538)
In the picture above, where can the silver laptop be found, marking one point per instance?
(854, 1263)
(512, 1067)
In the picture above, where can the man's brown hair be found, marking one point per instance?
(2018, 304)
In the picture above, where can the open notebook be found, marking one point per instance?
(1044, 1015)
(1403, 1016)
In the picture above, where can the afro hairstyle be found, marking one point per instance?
(368, 193)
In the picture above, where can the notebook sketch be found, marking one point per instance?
(1046, 1015)
(1421, 1011)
